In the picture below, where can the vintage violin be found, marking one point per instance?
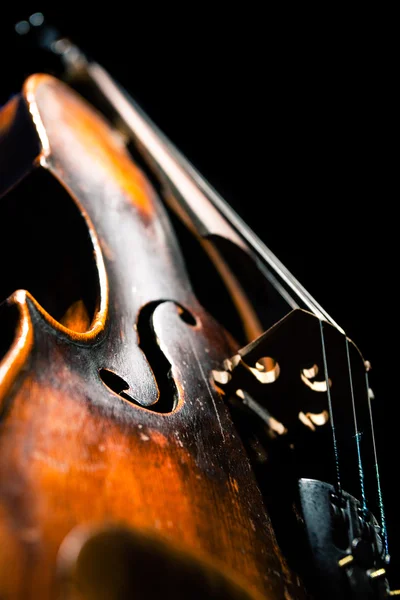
(158, 439)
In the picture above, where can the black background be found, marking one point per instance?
(292, 120)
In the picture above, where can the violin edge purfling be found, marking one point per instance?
(77, 453)
(295, 390)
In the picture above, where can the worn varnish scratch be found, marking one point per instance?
(72, 452)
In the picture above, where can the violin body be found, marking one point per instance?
(111, 427)
(179, 417)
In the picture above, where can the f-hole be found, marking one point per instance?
(168, 392)
(168, 398)
(116, 384)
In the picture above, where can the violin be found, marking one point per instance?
(179, 415)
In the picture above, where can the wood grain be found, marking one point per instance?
(73, 453)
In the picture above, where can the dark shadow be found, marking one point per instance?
(45, 248)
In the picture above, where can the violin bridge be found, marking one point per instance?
(280, 376)
(305, 382)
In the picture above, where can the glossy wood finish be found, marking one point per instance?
(73, 452)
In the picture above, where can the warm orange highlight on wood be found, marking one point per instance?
(7, 115)
(76, 452)
(104, 146)
(18, 353)
(76, 317)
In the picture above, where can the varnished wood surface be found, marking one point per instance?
(75, 454)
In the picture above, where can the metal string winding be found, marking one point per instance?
(357, 432)
(377, 474)
(338, 484)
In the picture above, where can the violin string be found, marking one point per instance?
(139, 125)
(357, 432)
(377, 474)
(104, 81)
(338, 484)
